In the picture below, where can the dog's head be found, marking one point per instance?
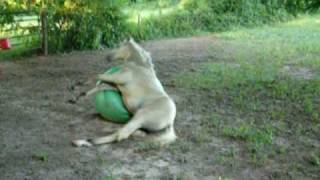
(131, 51)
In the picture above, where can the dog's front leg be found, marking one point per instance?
(101, 87)
(92, 91)
(116, 78)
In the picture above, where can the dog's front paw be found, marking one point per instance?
(92, 91)
(101, 77)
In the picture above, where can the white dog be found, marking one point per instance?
(143, 94)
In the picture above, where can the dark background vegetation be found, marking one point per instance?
(81, 24)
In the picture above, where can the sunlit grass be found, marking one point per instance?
(295, 43)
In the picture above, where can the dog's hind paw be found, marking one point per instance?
(81, 142)
(121, 135)
(102, 140)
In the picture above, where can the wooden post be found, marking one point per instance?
(44, 32)
(139, 20)
(139, 23)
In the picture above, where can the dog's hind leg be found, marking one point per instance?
(104, 140)
(164, 138)
(127, 130)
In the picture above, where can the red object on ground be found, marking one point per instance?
(5, 43)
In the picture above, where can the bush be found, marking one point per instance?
(85, 26)
(245, 12)
(210, 16)
(6, 16)
(171, 25)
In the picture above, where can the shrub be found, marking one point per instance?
(171, 25)
(6, 15)
(211, 16)
(85, 26)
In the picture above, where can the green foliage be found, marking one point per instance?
(84, 25)
(6, 16)
(243, 12)
(195, 16)
(295, 6)
(172, 25)
(9, 11)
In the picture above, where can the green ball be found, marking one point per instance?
(109, 104)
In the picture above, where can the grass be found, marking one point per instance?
(270, 81)
(146, 146)
(227, 157)
(19, 51)
(257, 139)
(42, 156)
(294, 43)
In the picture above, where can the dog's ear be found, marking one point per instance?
(138, 54)
(125, 50)
(132, 51)
(123, 53)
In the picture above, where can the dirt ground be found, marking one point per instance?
(42, 109)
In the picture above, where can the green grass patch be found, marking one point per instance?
(41, 156)
(295, 43)
(258, 139)
(20, 51)
(146, 146)
(270, 77)
(227, 157)
(315, 159)
(255, 78)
